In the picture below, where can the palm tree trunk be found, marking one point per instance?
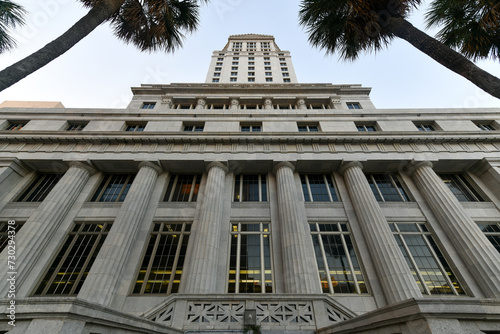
(97, 15)
(445, 56)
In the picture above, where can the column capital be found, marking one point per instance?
(283, 164)
(218, 164)
(86, 165)
(152, 165)
(413, 165)
(346, 165)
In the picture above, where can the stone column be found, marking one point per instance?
(38, 230)
(11, 171)
(480, 255)
(204, 255)
(392, 270)
(300, 273)
(102, 279)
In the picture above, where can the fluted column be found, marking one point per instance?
(44, 222)
(202, 275)
(480, 255)
(300, 274)
(392, 270)
(102, 280)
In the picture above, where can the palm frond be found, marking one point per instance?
(11, 16)
(349, 27)
(153, 25)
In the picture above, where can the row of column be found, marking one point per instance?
(300, 272)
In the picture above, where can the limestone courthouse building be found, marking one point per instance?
(251, 201)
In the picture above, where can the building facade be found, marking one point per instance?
(221, 206)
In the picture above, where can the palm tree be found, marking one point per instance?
(472, 27)
(150, 25)
(352, 26)
(11, 15)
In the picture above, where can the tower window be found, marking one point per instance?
(492, 232)
(353, 105)
(148, 105)
(75, 127)
(425, 127)
(15, 126)
(194, 127)
(366, 128)
(308, 127)
(251, 127)
(135, 127)
(485, 126)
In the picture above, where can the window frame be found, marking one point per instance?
(306, 185)
(426, 234)
(75, 126)
(262, 186)
(193, 127)
(394, 179)
(105, 185)
(366, 127)
(155, 237)
(172, 183)
(253, 127)
(148, 105)
(38, 190)
(425, 126)
(308, 127)
(343, 230)
(471, 193)
(353, 105)
(263, 234)
(134, 127)
(15, 125)
(492, 232)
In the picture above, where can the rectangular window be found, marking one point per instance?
(183, 188)
(318, 188)
(234, 68)
(232, 79)
(308, 127)
(218, 64)
(216, 74)
(366, 128)
(286, 80)
(265, 46)
(135, 128)
(353, 105)
(235, 63)
(251, 58)
(236, 58)
(251, 46)
(250, 267)
(113, 188)
(267, 63)
(220, 59)
(15, 126)
(461, 188)
(251, 68)
(237, 46)
(7, 230)
(284, 69)
(251, 63)
(162, 265)
(218, 69)
(40, 188)
(339, 269)
(251, 79)
(251, 74)
(269, 74)
(282, 64)
(75, 127)
(267, 68)
(70, 267)
(250, 188)
(282, 59)
(387, 188)
(194, 128)
(234, 74)
(485, 126)
(286, 74)
(427, 264)
(269, 79)
(492, 232)
(425, 127)
(215, 80)
(148, 105)
(250, 127)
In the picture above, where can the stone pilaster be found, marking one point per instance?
(44, 222)
(202, 274)
(479, 254)
(300, 274)
(102, 280)
(393, 272)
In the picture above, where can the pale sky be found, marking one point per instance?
(99, 71)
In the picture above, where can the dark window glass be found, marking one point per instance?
(461, 188)
(40, 188)
(387, 188)
(183, 188)
(113, 188)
